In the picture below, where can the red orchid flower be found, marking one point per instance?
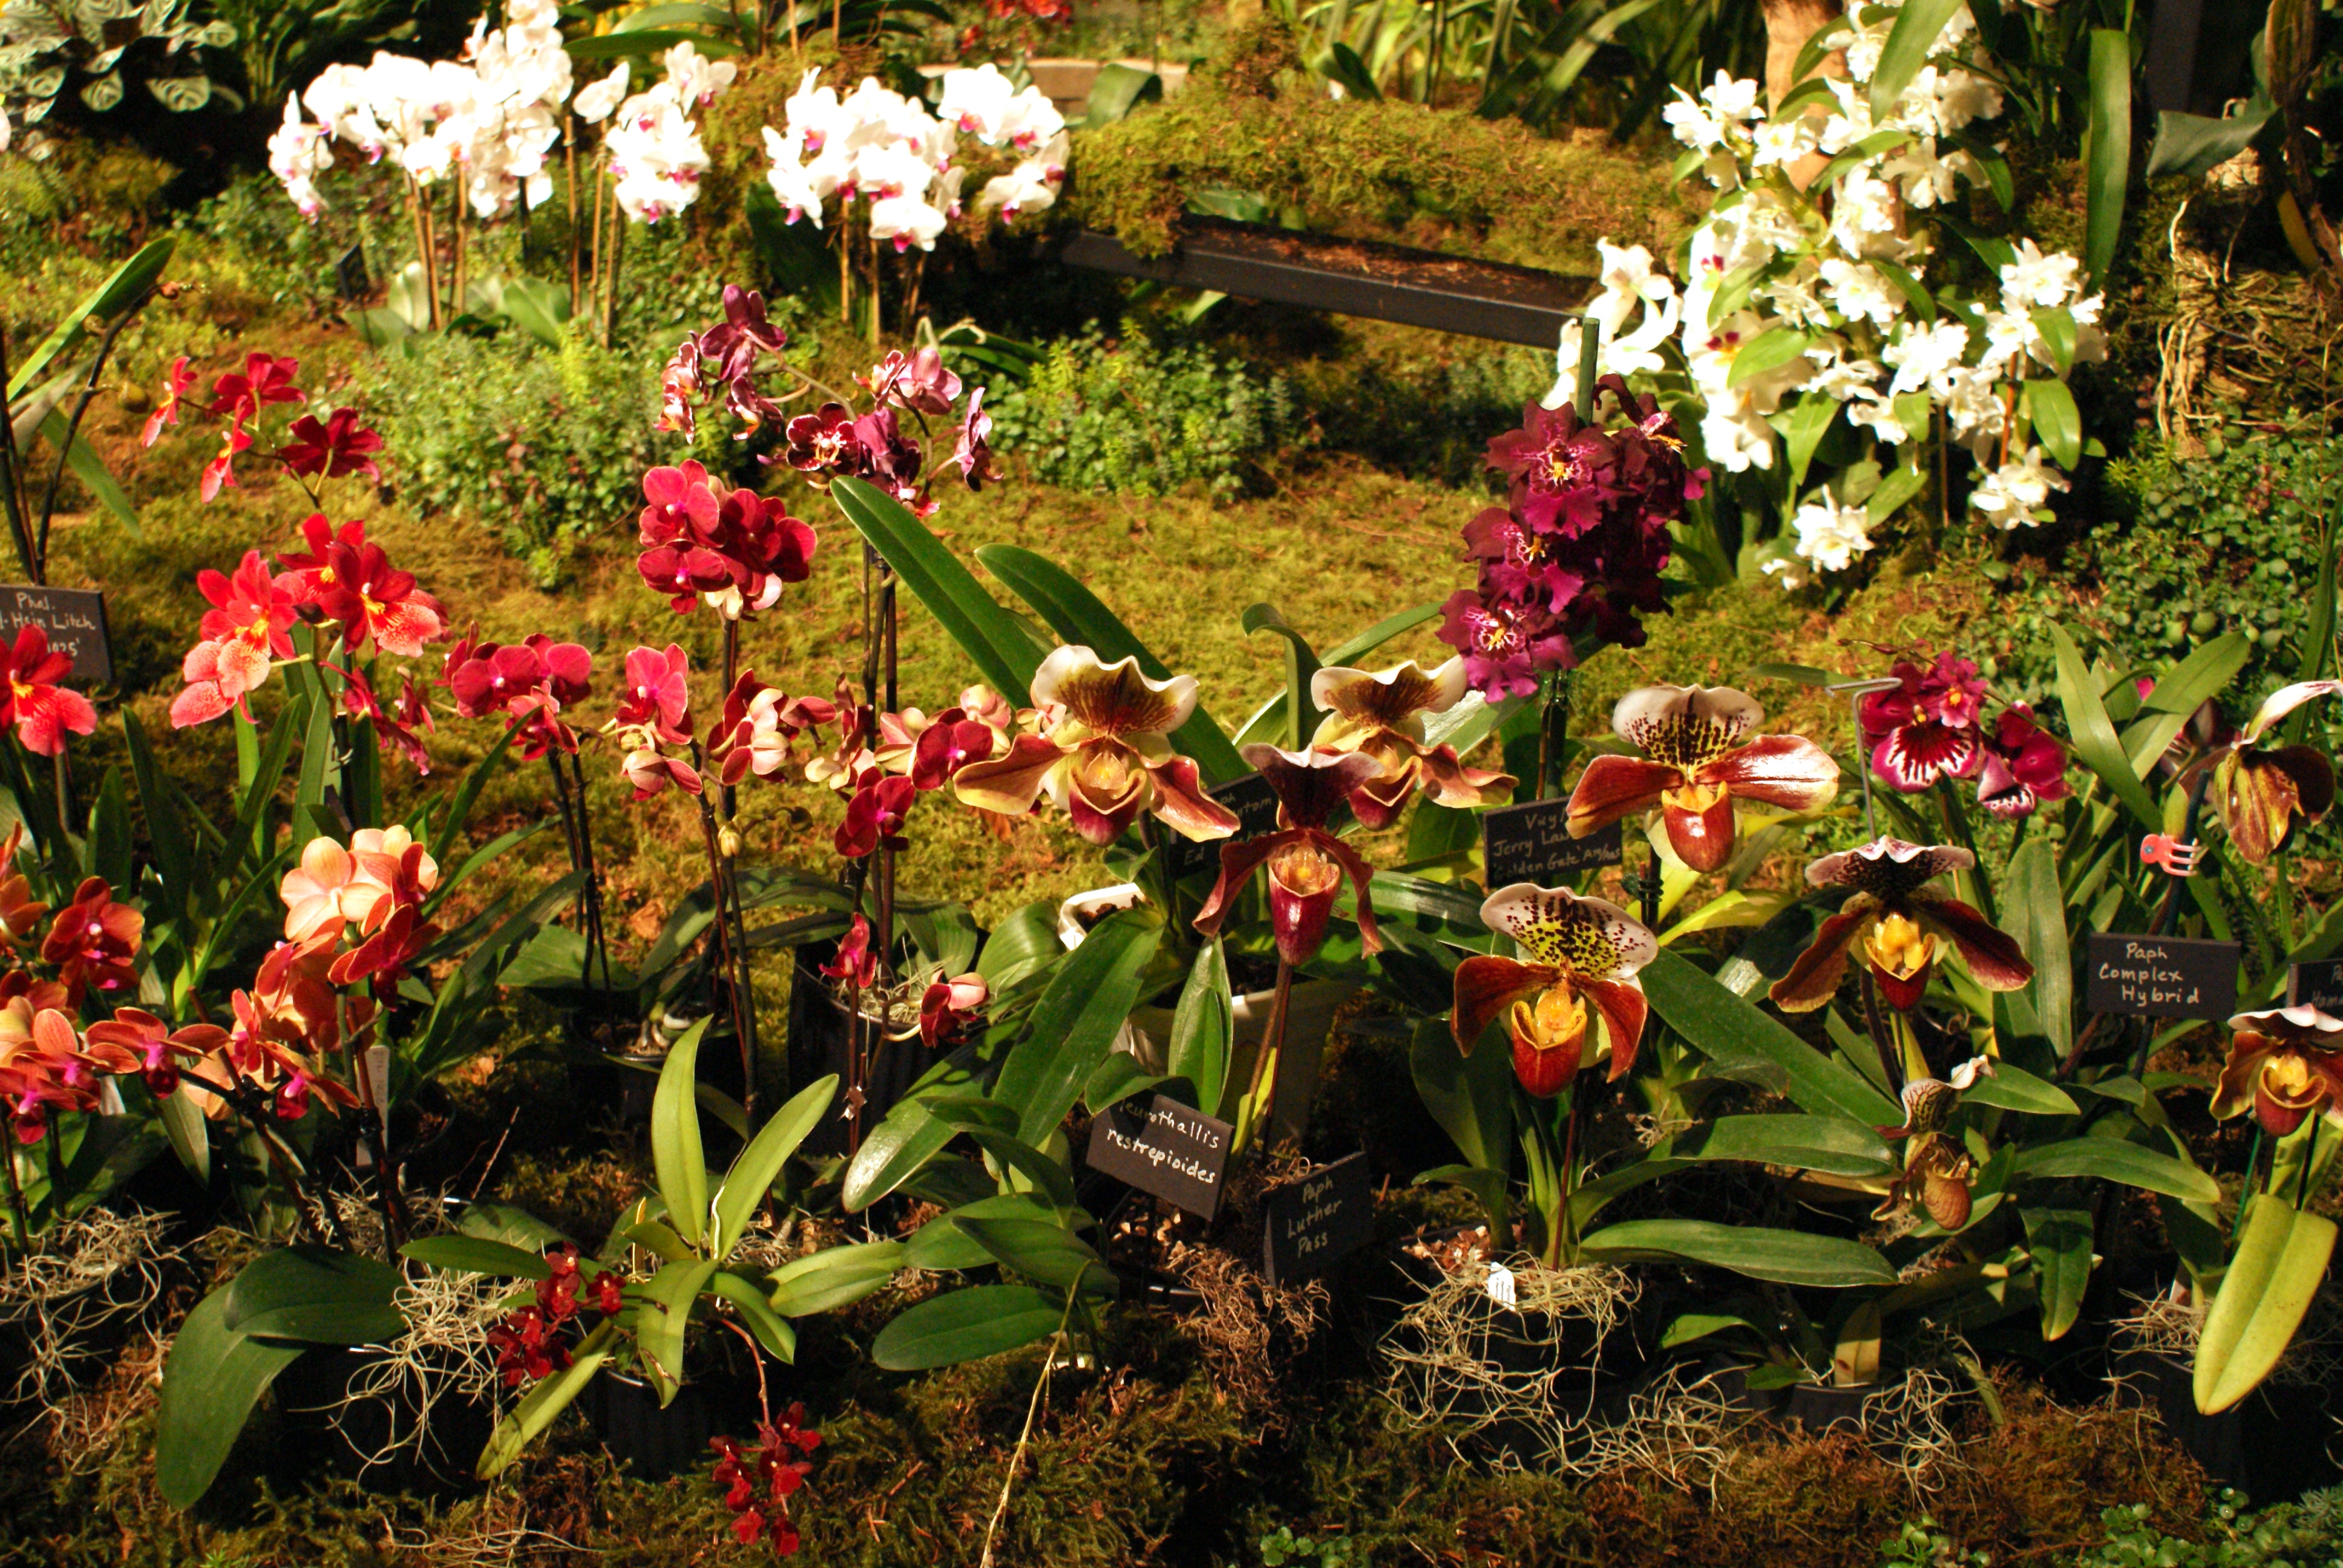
(2286, 1064)
(312, 571)
(1306, 863)
(176, 383)
(377, 602)
(1581, 952)
(1930, 727)
(657, 696)
(265, 379)
(948, 1007)
(241, 635)
(759, 1482)
(395, 724)
(1901, 924)
(651, 770)
(220, 472)
(1695, 767)
(1102, 755)
(854, 962)
(30, 697)
(337, 447)
(2023, 766)
(874, 814)
(759, 726)
(93, 941)
(156, 1046)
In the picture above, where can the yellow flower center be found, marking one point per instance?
(1898, 946)
(2287, 1076)
(1555, 1020)
(1696, 798)
(1304, 871)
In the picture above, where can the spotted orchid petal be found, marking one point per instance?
(1588, 938)
(1359, 704)
(2263, 796)
(1685, 727)
(1888, 868)
(1095, 699)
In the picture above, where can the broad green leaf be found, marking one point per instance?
(2281, 1260)
(1116, 91)
(1745, 1045)
(2014, 1089)
(665, 1315)
(677, 14)
(189, 1133)
(1909, 43)
(542, 1404)
(504, 1222)
(2094, 736)
(1120, 1076)
(905, 1140)
(2034, 908)
(1080, 616)
(676, 1152)
(1768, 351)
(211, 1380)
(127, 284)
(1899, 487)
(2106, 152)
(1046, 1254)
(2055, 420)
(1806, 423)
(2190, 145)
(477, 1256)
(2060, 1241)
(1785, 1257)
(1019, 945)
(834, 1277)
(1074, 1024)
(1044, 1177)
(759, 1164)
(1472, 1097)
(91, 470)
(1202, 1027)
(1827, 1143)
(965, 1325)
(772, 1331)
(310, 1292)
(2117, 1161)
(1005, 652)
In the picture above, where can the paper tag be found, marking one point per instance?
(1501, 1284)
(1255, 805)
(75, 619)
(1164, 1148)
(2318, 984)
(1313, 1220)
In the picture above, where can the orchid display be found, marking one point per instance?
(1696, 768)
(1901, 926)
(1581, 952)
(1812, 291)
(2284, 1065)
(1381, 716)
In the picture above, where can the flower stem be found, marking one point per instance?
(1261, 1093)
(1956, 823)
(732, 953)
(1881, 1038)
(16, 1199)
(1554, 735)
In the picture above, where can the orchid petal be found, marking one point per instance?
(1485, 988)
(1588, 937)
(1009, 785)
(1685, 727)
(1623, 1009)
(1615, 787)
(1992, 954)
(1785, 770)
(1111, 698)
(1814, 978)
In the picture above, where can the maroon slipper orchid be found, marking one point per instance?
(1101, 755)
(1928, 728)
(1581, 952)
(1381, 716)
(2285, 1064)
(1306, 863)
(1901, 923)
(1695, 767)
(2264, 794)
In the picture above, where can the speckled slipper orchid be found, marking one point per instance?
(1101, 755)
(1306, 863)
(1381, 716)
(1936, 1175)
(1580, 951)
(1900, 922)
(1695, 767)
(2285, 1064)
(1930, 1103)
(2263, 795)
(1930, 727)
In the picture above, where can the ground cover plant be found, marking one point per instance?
(753, 874)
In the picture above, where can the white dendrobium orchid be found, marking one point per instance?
(1831, 535)
(2014, 492)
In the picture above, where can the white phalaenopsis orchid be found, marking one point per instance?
(1836, 278)
(876, 145)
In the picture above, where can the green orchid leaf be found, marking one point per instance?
(1203, 1027)
(2060, 1241)
(676, 1151)
(1074, 1023)
(834, 1277)
(477, 1256)
(548, 1399)
(967, 1325)
(1747, 1046)
(211, 1380)
(752, 1175)
(2281, 1260)
(2107, 151)
(2113, 1160)
(1046, 1254)
(1005, 653)
(313, 1293)
(1785, 1257)
(1826, 1143)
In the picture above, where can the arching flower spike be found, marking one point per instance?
(2285, 1064)
(1900, 922)
(1695, 767)
(1381, 716)
(1306, 863)
(1101, 756)
(1580, 951)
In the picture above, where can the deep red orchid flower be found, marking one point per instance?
(1581, 952)
(657, 695)
(377, 602)
(948, 1007)
(1695, 766)
(759, 1482)
(1930, 727)
(30, 697)
(265, 379)
(332, 450)
(1505, 646)
(875, 813)
(855, 962)
(311, 569)
(176, 383)
(821, 441)
(93, 941)
(2023, 766)
(1306, 863)
(1900, 924)
(759, 726)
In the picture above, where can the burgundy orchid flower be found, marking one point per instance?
(1505, 646)
(1695, 766)
(2024, 768)
(1930, 727)
(759, 727)
(1582, 951)
(658, 693)
(948, 1007)
(2286, 1064)
(30, 697)
(2265, 793)
(93, 941)
(759, 1481)
(914, 382)
(972, 447)
(854, 962)
(875, 813)
(1306, 863)
(1901, 924)
(821, 441)
(337, 447)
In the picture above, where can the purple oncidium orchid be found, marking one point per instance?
(1102, 754)
(1580, 951)
(2265, 793)
(2284, 1063)
(1380, 716)
(1306, 863)
(1932, 726)
(1936, 1165)
(1901, 924)
(1695, 767)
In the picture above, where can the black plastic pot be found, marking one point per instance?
(658, 1442)
(1819, 1408)
(323, 1422)
(821, 1034)
(2265, 1445)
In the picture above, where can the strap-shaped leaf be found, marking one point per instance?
(1745, 1045)
(772, 1331)
(2280, 1262)
(2035, 910)
(477, 1256)
(1909, 43)
(834, 1277)
(676, 1151)
(759, 1164)
(2094, 734)
(2114, 1160)
(1827, 1143)
(1043, 1253)
(129, 284)
(212, 1379)
(1005, 652)
(2014, 1089)
(665, 1315)
(1074, 1024)
(542, 1404)
(1785, 1257)
(1079, 615)
(1202, 1028)
(2060, 1241)
(1300, 667)
(2106, 149)
(1472, 1097)
(968, 1324)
